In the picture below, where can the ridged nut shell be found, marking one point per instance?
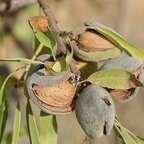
(53, 94)
(97, 55)
(90, 41)
(95, 111)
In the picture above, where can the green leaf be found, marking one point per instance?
(8, 135)
(118, 40)
(140, 140)
(127, 138)
(32, 127)
(60, 65)
(17, 124)
(3, 117)
(114, 79)
(47, 39)
(44, 39)
(48, 128)
(2, 89)
(69, 56)
(35, 46)
(3, 106)
(24, 60)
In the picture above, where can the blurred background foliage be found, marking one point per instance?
(125, 16)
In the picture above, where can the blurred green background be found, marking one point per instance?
(125, 16)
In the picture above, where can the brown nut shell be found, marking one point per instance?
(59, 95)
(92, 41)
(53, 94)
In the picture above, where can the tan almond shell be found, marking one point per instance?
(51, 93)
(59, 95)
(90, 41)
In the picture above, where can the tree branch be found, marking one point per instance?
(53, 26)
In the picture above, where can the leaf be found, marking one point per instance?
(8, 135)
(48, 128)
(126, 137)
(47, 39)
(3, 117)
(24, 60)
(118, 40)
(17, 124)
(114, 79)
(140, 140)
(60, 65)
(43, 34)
(2, 89)
(3, 106)
(44, 39)
(32, 127)
(122, 133)
(69, 56)
(35, 46)
(39, 23)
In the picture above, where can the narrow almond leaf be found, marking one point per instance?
(44, 39)
(2, 89)
(24, 60)
(39, 23)
(69, 56)
(43, 34)
(60, 65)
(127, 138)
(3, 117)
(32, 127)
(47, 39)
(17, 124)
(122, 134)
(48, 129)
(140, 140)
(8, 135)
(114, 79)
(3, 106)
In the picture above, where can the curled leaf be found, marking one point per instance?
(39, 23)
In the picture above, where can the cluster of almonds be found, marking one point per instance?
(59, 93)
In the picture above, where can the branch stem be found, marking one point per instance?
(61, 48)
